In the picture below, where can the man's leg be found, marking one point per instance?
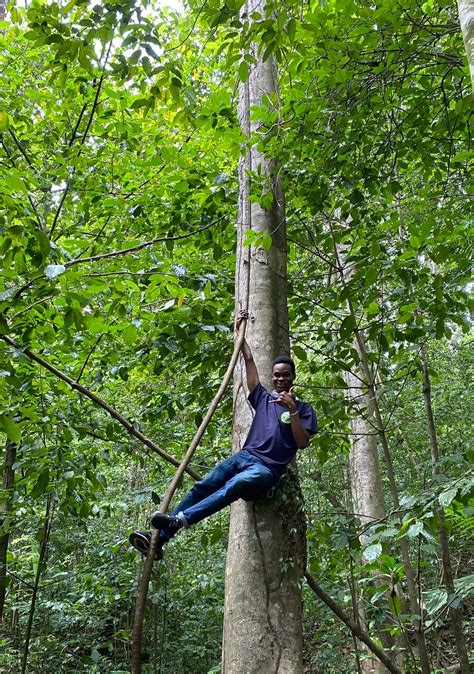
(212, 482)
(254, 480)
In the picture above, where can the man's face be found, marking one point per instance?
(282, 377)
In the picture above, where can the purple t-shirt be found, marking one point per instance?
(270, 437)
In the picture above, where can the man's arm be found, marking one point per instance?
(251, 371)
(300, 434)
(250, 367)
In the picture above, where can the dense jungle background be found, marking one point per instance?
(119, 146)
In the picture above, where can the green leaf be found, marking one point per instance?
(4, 329)
(404, 527)
(372, 552)
(4, 121)
(373, 309)
(347, 327)
(243, 71)
(12, 429)
(130, 334)
(464, 155)
(415, 529)
(53, 270)
(41, 484)
(446, 497)
(300, 352)
(268, 51)
(95, 656)
(266, 241)
(15, 183)
(370, 276)
(291, 29)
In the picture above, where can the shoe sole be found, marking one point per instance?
(142, 543)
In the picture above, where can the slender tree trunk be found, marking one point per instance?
(266, 551)
(377, 416)
(454, 613)
(48, 518)
(409, 571)
(8, 480)
(466, 20)
(365, 477)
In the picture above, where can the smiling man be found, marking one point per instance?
(281, 425)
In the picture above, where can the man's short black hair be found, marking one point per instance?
(285, 359)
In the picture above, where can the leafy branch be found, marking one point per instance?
(130, 428)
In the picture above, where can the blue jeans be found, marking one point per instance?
(242, 475)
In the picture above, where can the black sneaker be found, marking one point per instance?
(171, 523)
(141, 540)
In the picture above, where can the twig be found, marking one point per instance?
(83, 140)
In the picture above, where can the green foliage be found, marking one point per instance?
(119, 143)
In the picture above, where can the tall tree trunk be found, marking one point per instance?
(266, 551)
(454, 613)
(466, 19)
(8, 480)
(365, 476)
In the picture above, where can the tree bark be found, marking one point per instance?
(8, 480)
(466, 20)
(455, 615)
(266, 551)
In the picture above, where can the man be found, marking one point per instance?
(281, 425)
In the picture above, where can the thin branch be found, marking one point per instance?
(21, 148)
(32, 203)
(140, 246)
(83, 140)
(355, 629)
(76, 128)
(124, 251)
(101, 403)
(17, 577)
(91, 351)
